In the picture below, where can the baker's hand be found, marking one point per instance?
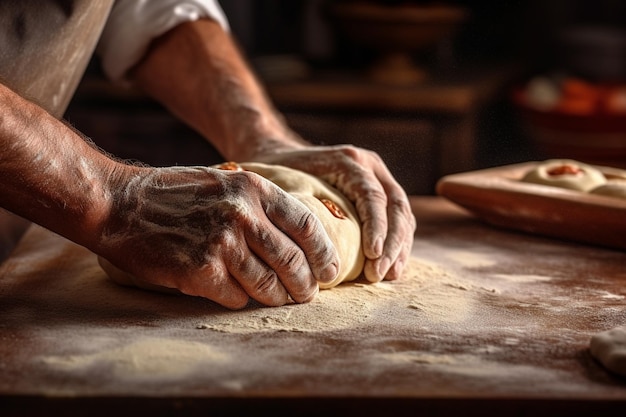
(382, 204)
(223, 235)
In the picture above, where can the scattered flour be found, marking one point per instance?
(471, 259)
(522, 278)
(427, 288)
(439, 295)
(418, 357)
(476, 367)
(333, 309)
(143, 359)
(610, 296)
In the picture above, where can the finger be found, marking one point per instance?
(371, 206)
(395, 272)
(396, 212)
(312, 244)
(283, 256)
(366, 188)
(370, 201)
(398, 243)
(213, 281)
(257, 279)
(286, 260)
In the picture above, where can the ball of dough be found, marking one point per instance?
(609, 348)
(335, 211)
(612, 188)
(319, 196)
(566, 173)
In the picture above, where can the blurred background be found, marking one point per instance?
(435, 87)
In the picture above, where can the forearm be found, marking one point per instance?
(198, 73)
(50, 174)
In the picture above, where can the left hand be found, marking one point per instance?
(382, 204)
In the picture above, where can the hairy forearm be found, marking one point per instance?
(50, 174)
(198, 73)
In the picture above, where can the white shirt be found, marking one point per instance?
(133, 24)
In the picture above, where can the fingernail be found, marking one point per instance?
(400, 266)
(397, 270)
(383, 267)
(329, 273)
(312, 296)
(378, 247)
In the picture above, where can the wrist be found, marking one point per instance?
(105, 213)
(267, 135)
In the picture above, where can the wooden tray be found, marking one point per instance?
(498, 197)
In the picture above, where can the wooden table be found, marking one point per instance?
(421, 131)
(485, 322)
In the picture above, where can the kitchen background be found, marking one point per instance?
(435, 87)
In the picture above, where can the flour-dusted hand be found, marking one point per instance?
(382, 204)
(223, 235)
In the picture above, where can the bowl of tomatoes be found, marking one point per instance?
(570, 117)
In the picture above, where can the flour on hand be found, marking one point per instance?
(334, 210)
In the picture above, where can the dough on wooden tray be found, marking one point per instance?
(612, 188)
(609, 348)
(566, 173)
(335, 211)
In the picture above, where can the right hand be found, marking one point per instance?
(224, 235)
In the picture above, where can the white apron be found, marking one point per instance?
(45, 47)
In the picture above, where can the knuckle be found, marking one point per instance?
(242, 182)
(360, 154)
(203, 280)
(266, 282)
(351, 151)
(292, 258)
(308, 225)
(371, 203)
(240, 178)
(378, 195)
(400, 205)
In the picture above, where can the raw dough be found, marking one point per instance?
(609, 348)
(345, 233)
(612, 173)
(612, 188)
(566, 173)
(335, 211)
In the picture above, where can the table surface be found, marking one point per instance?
(484, 321)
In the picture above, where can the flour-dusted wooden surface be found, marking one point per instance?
(484, 322)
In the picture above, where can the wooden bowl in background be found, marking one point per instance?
(396, 32)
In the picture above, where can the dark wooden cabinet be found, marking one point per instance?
(422, 132)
